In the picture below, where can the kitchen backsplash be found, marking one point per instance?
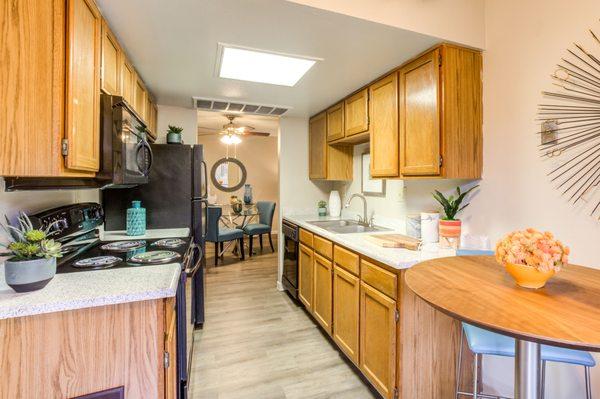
(402, 197)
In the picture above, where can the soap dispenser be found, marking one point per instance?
(136, 219)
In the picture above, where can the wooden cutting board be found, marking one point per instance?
(395, 241)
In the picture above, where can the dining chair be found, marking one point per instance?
(482, 342)
(220, 235)
(266, 210)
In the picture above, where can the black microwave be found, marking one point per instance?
(126, 154)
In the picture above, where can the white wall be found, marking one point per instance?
(34, 201)
(187, 118)
(297, 194)
(460, 21)
(524, 42)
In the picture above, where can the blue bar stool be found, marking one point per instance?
(483, 342)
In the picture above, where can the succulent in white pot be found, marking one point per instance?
(32, 262)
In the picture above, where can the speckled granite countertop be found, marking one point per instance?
(398, 258)
(70, 291)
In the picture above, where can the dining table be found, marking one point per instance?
(477, 290)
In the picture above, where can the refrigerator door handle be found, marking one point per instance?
(204, 179)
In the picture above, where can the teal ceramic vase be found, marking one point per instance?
(136, 219)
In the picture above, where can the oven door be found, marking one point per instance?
(193, 266)
(290, 266)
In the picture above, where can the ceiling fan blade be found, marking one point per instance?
(209, 128)
(252, 133)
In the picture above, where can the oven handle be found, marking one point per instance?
(191, 271)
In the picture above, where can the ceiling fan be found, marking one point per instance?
(231, 131)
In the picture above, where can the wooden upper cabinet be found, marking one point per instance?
(84, 27)
(356, 111)
(317, 143)
(326, 161)
(323, 300)
(111, 62)
(378, 339)
(335, 122)
(305, 276)
(32, 74)
(140, 97)
(383, 112)
(420, 116)
(127, 81)
(440, 114)
(346, 306)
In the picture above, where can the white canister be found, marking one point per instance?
(430, 227)
(335, 204)
(413, 226)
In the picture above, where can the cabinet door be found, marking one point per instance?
(84, 26)
(335, 122)
(383, 112)
(356, 111)
(323, 295)
(378, 339)
(317, 147)
(170, 350)
(305, 276)
(111, 62)
(420, 117)
(140, 97)
(346, 308)
(127, 81)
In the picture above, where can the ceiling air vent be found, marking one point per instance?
(213, 104)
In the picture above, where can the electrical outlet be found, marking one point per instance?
(549, 132)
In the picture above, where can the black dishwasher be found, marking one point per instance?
(290, 258)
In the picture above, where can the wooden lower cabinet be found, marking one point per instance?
(170, 354)
(377, 358)
(305, 276)
(78, 352)
(322, 301)
(346, 310)
(402, 345)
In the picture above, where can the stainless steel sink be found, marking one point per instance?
(345, 226)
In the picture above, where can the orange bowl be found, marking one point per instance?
(527, 276)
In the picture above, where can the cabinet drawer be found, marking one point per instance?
(323, 247)
(347, 260)
(379, 278)
(306, 237)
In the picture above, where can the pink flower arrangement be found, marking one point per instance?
(532, 248)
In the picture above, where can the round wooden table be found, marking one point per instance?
(477, 290)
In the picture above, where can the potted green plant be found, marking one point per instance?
(174, 134)
(450, 227)
(32, 262)
(322, 205)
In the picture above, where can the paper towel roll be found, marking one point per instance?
(430, 227)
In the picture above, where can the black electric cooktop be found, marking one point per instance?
(102, 255)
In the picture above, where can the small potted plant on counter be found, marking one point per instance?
(531, 257)
(174, 134)
(33, 256)
(450, 227)
(322, 205)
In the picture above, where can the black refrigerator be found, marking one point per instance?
(174, 197)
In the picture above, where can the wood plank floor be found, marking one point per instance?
(257, 344)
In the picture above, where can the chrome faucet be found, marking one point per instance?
(364, 220)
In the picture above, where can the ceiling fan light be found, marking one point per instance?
(231, 139)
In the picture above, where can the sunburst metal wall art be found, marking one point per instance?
(570, 126)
